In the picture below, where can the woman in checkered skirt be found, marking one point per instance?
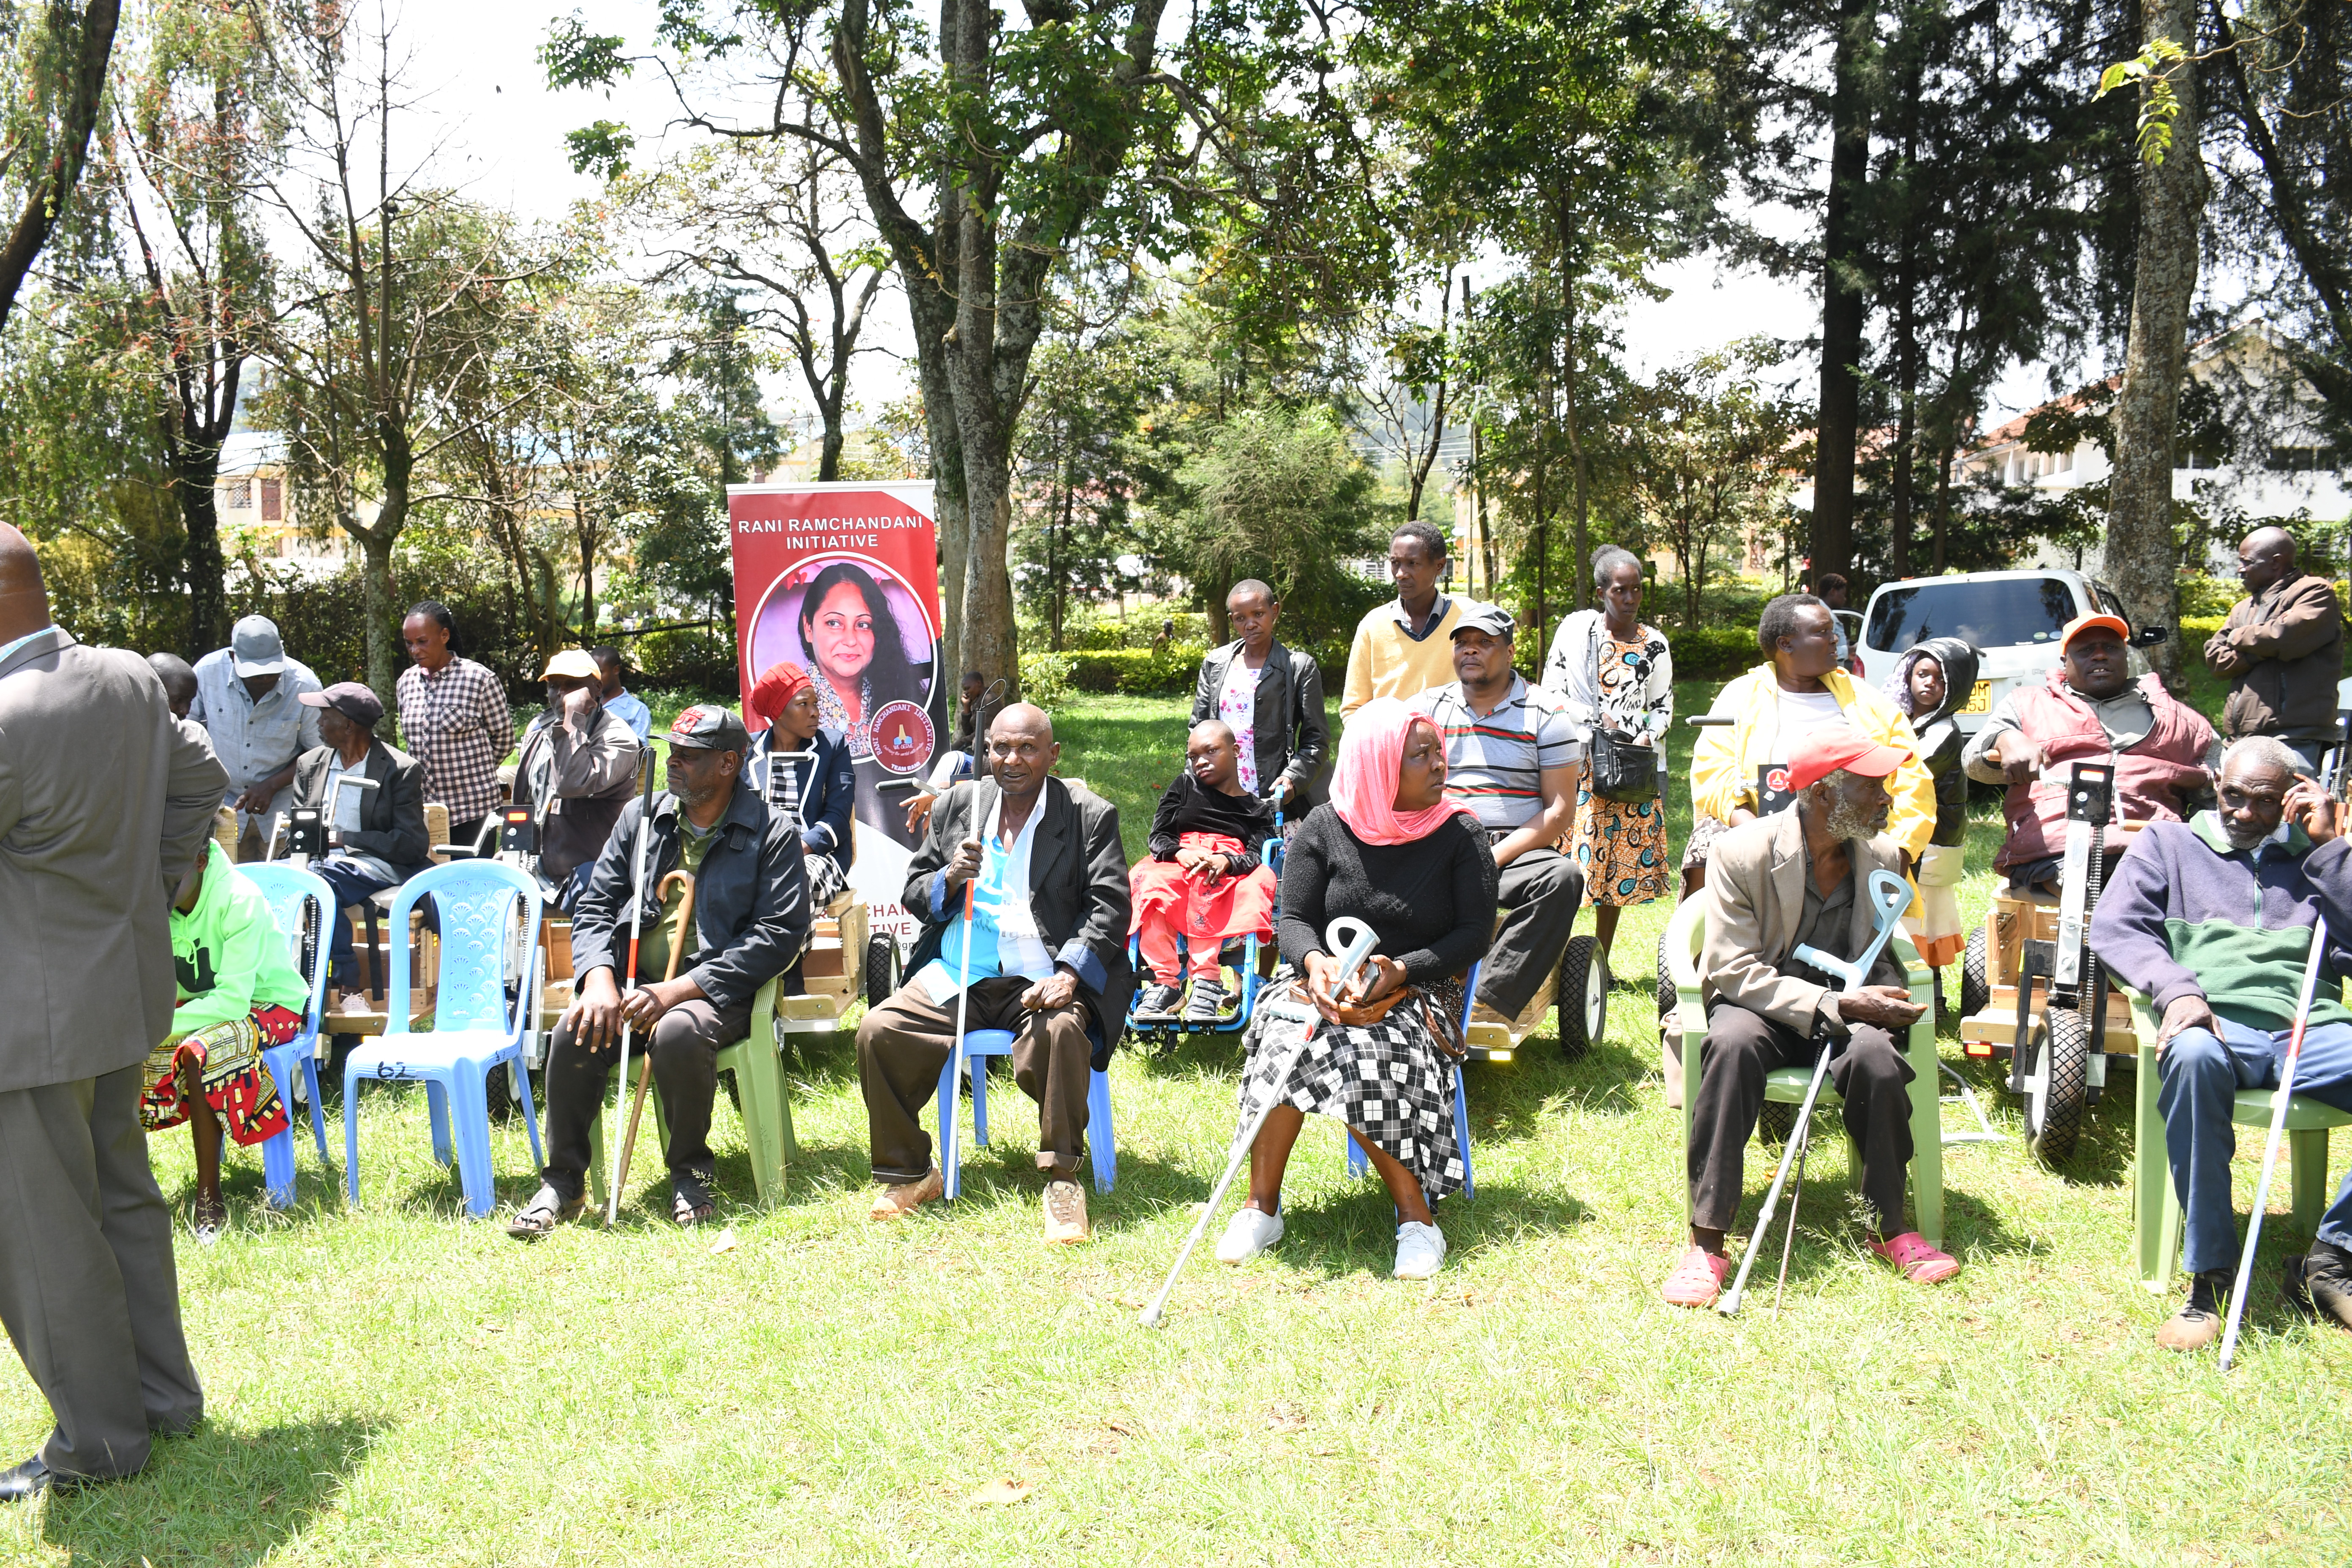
(1391, 851)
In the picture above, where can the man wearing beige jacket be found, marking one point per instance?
(105, 800)
(1796, 878)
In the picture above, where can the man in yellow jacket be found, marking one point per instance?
(1775, 704)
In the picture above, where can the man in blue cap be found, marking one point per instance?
(750, 921)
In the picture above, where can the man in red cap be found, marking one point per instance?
(1790, 879)
(2089, 711)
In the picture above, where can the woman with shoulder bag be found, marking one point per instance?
(1619, 679)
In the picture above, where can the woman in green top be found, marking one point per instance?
(239, 994)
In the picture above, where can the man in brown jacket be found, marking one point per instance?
(1797, 879)
(2283, 648)
(105, 800)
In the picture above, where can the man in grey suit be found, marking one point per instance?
(105, 800)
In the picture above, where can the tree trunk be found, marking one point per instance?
(1943, 506)
(828, 461)
(1907, 339)
(47, 192)
(2141, 555)
(377, 596)
(1831, 544)
(195, 475)
(1578, 473)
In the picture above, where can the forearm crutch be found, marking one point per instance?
(950, 1138)
(2278, 1127)
(1889, 896)
(679, 926)
(1355, 940)
(629, 983)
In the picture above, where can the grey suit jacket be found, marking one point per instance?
(105, 801)
(1755, 887)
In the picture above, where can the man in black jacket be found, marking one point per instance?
(377, 838)
(750, 922)
(1271, 697)
(1047, 961)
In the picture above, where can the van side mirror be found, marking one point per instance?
(2150, 636)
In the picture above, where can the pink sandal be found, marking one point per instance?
(1697, 1278)
(1917, 1261)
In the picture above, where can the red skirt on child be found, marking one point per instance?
(1165, 893)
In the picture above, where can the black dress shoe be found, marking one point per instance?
(28, 1480)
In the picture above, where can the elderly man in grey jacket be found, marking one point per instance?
(105, 801)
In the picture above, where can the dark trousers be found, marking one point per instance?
(684, 1047)
(353, 884)
(902, 1044)
(1543, 889)
(88, 1287)
(1870, 1072)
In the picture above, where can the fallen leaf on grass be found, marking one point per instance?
(1283, 1418)
(726, 1242)
(1001, 1492)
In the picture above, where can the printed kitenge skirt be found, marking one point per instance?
(227, 1058)
(1390, 1080)
(1937, 930)
(1621, 846)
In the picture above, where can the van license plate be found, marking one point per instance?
(1980, 699)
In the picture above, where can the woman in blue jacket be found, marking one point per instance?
(803, 770)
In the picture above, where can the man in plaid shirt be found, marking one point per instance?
(453, 719)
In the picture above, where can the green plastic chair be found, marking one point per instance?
(758, 1063)
(2156, 1208)
(1687, 933)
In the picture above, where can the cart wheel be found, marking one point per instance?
(1976, 991)
(881, 969)
(498, 1092)
(1666, 997)
(1583, 997)
(2057, 1093)
(1774, 1122)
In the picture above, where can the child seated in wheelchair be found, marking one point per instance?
(1203, 878)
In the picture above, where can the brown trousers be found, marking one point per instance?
(902, 1044)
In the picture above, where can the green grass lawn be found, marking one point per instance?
(397, 1385)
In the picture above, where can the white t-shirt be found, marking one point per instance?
(1801, 711)
(1237, 706)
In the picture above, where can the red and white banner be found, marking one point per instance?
(843, 580)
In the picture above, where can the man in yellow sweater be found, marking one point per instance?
(1404, 648)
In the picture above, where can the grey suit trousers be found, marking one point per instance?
(88, 1287)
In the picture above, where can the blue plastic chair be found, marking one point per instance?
(475, 1028)
(1357, 1161)
(292, 895)
(979, 1045)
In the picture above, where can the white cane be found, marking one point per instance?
(2278, 1127)
(1888, 897)
(951, 1139)
(1355, 940)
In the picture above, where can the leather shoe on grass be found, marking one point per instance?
(901, 1199)
(1066, 1214)
(32, 1478)
(2198, 1322)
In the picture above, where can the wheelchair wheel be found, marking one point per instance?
(1667, 999)
(1976, 991)
(2058, 1089)
(1775, 1124)
(1582, 995)
(497, 1090)
(881, 969)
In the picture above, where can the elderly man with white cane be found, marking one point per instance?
(1778, 885)
(2215, 920)
(1022, 889)
(749, 923)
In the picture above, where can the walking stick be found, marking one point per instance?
(1888, 897)
(951, 1139)
(629, 982)
(1355, 940)
(679, 926)
(2278, 1127)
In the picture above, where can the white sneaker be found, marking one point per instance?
(1420, 1249)
(1251, 1232)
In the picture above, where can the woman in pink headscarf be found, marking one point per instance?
(1389, 850)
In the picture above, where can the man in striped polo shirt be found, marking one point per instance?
(1512, 756)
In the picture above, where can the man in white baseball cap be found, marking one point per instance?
(249, 698)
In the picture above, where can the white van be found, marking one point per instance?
(2013, 618)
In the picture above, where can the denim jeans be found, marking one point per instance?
(2200, 1076)
(353, 884)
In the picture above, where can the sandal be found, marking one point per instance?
(1918, 1262)
(689, 1202)
(1697, 1278)
(545, 1211)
